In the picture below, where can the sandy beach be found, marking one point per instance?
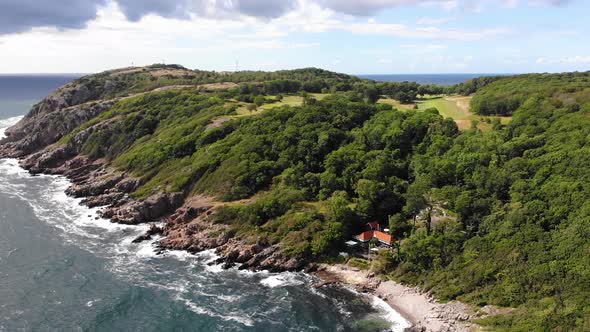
(419, 308)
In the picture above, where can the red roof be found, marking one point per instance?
(373, 225)
(384, 237)
(366, 236)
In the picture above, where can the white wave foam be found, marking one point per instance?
(250, 273)
(202, 311)
(67, 213)
(179, 255)
(7, 123)
(90, 303)
(282, 280)
(399, 323)
(146, 249)
(315, 291)
(11, 167)
(208, 257)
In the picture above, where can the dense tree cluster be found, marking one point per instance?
(472, 86)
(520, 195)
(497, 217)
(504, 96)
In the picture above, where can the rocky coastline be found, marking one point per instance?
(184, 223)
(188, 225)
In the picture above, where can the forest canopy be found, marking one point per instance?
(488, 217)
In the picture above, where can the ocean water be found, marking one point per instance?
(19, 92)
(437, 79)
(62, 269)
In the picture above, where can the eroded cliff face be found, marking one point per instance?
(54, 117)
(35, 140)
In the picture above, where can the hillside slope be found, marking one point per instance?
(498, 217)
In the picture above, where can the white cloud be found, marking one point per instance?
(19, 15)
(572, 60)
(112, 41)
(213, 41)
(433, 21)
(404, 31)
(423, 49)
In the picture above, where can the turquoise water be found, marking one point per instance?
(61, 269)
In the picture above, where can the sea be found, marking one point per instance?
(64, 269)
(437, 79)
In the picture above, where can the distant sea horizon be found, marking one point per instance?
(437, 79)
(19, 92)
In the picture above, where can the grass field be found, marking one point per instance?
(457, 108)
(396, 104)
(287, 101)
(243, 110)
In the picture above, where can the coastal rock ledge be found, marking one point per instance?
(187, 225)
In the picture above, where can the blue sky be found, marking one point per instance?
(357, 37)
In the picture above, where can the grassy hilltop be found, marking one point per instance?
(495, 210)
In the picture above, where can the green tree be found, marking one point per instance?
(252, 107)
(259, 101)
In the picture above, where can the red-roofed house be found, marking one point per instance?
(383, 237)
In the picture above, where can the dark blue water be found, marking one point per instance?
(19, 92)
(437, 79)
(61, 269)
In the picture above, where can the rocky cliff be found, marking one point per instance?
(35, 140)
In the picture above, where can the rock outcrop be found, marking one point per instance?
(54, 117)
(35, 140)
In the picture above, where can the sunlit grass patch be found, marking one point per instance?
(396, 104)
(457, 108)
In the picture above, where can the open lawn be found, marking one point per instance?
(457, 108)
(243, 110)
(320, 96)
(287, 100)
(396, 104)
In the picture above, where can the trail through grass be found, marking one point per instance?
(457, 108)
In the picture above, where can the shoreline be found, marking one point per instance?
(99, 184)
(420, 309)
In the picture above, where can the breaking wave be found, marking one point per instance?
(253, 300)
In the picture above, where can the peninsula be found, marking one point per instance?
(483, 187)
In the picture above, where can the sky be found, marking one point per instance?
(349, 36)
